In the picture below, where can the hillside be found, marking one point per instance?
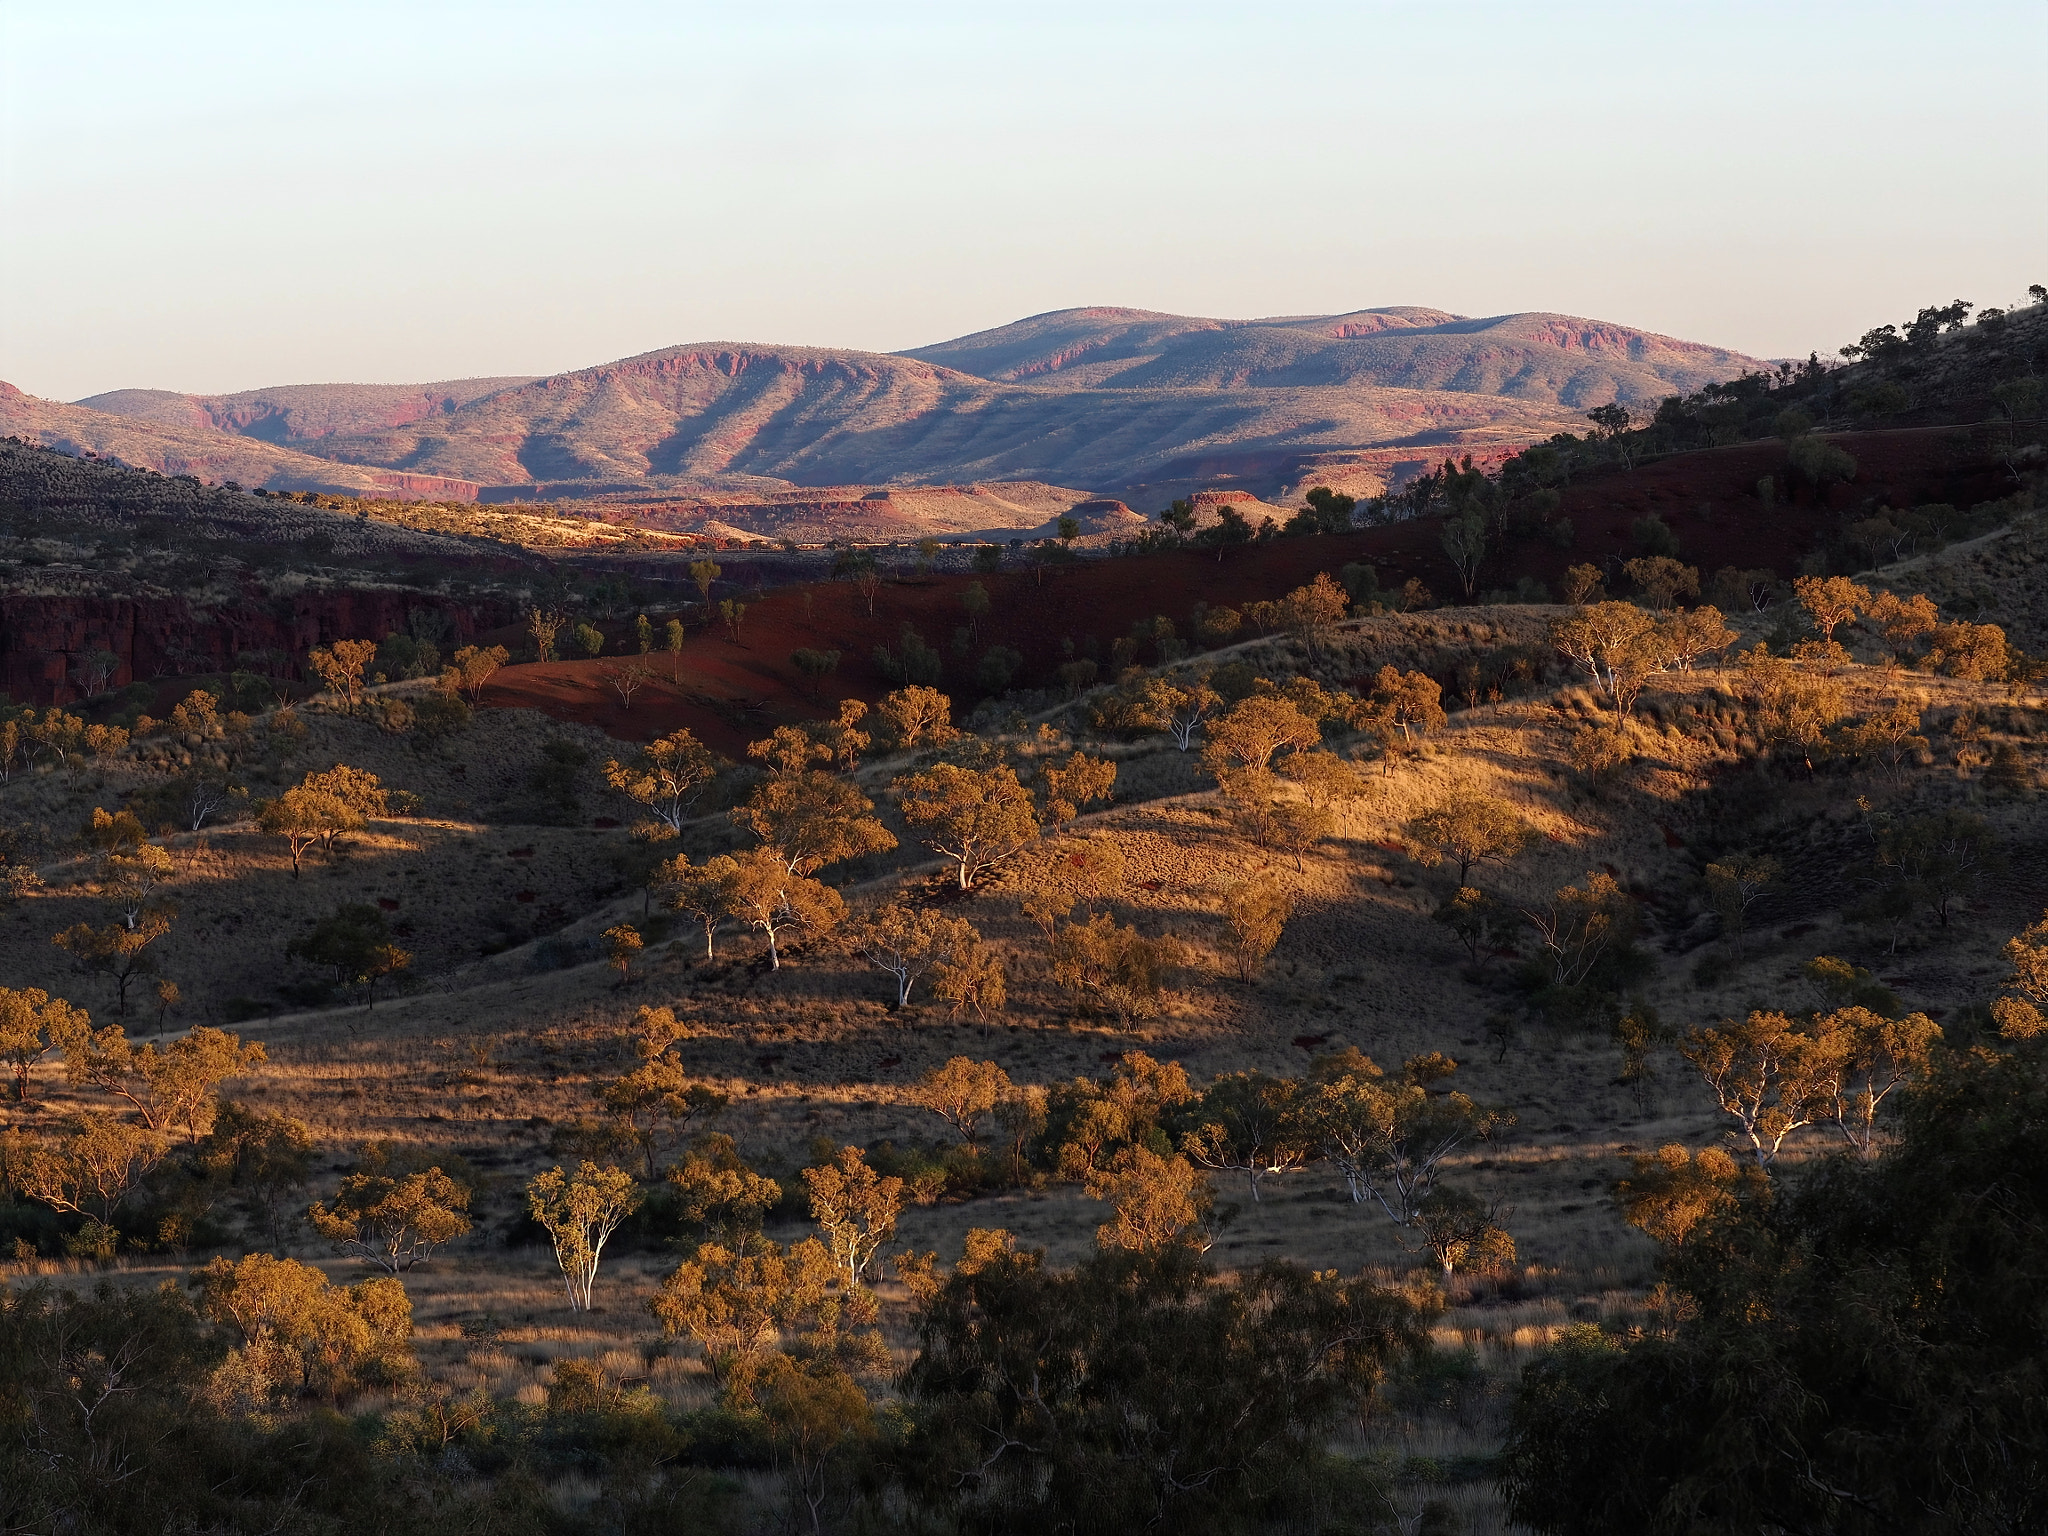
(170, 577)
(164, 442)
(48, 492)
(1049, 616)
(295, 412)
(1083, 347)
(500, 1047)
(1545, 359)
(89, 536)
(995, 509)
(1123, 403)
(812, 417)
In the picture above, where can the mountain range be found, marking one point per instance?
(1123, 402)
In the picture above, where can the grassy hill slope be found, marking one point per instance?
(502, 880)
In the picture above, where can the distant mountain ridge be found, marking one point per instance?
(1124, 402)
(816, 417)
(1548, 358)
(205, 453)
(1079, 344)
(290, 413)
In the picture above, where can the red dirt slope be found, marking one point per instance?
(734, 693)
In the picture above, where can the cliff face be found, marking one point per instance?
(41, 637)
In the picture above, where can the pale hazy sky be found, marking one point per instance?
(211, 196)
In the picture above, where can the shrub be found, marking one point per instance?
(1653, 537)
(815, 666)
(1819, 462)
(998, 666)
(1118, 967)
(912, 662)
(438, 715)
(1975, 652)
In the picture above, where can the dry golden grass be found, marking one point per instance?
(487, 1046)
(2000, 575)
(526, 527)
(489, 1056)
(452, 884)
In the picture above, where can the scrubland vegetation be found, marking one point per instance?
(536, 527)
(101, 520)
(1325, 1062)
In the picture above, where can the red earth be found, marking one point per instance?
(735, 692)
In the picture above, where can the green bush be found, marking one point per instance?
(1653, 536)
(999, 664)
(438, 715)
(912, 661)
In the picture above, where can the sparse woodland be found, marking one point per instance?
(1331, 1062)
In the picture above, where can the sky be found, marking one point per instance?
(211, 197)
